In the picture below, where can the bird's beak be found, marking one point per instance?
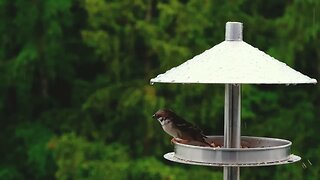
(154, 116)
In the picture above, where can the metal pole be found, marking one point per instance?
(232, 107)
(232, 126)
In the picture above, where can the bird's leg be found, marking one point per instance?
(178, 140)
(172, 141)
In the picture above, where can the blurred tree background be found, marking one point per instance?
(76, 102)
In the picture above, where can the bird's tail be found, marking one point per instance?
(208, 143)
(205, 142)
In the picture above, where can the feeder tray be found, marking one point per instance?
(256, 151)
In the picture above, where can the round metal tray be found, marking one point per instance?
(255, 151)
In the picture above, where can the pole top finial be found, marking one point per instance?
(234, 31)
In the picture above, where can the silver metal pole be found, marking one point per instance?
(232, 126)
(232, 107)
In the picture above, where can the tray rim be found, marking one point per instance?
(291, 159)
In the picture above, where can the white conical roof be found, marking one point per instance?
(233, 62)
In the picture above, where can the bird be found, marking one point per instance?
(181, 130)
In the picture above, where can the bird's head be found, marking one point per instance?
(162, 115)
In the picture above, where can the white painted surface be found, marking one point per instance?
(233, 62)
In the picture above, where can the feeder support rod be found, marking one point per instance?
(232, 126)
(232, 107)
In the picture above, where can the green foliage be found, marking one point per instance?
(76, 102)
(34, 140)
(78, 158)
(150, 168)
(9, 173)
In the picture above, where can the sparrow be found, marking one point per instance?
(181, 130)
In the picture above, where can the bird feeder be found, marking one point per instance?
(234, 62)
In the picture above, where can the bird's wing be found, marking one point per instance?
(185, 126)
